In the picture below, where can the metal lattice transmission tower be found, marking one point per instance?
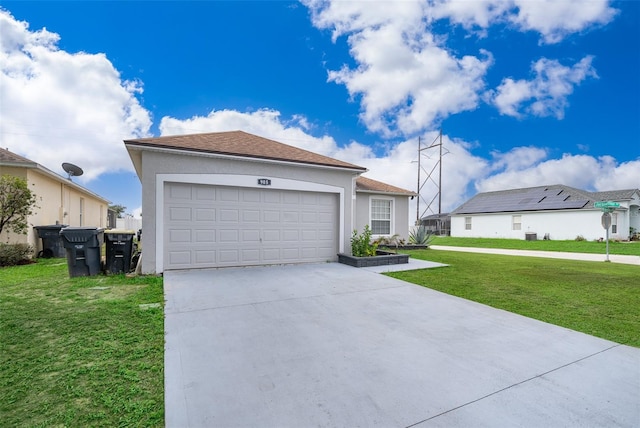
(429, 180)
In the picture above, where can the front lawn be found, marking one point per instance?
(80, 351)
(631, 248)
(601, 299)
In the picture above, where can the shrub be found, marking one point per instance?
(361, 245)
(15, 254)
(420, 236)
(580, 238)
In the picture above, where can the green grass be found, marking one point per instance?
(622, 248)
(79, 351)
(600, 299)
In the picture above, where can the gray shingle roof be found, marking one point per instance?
(541, 198)
(10, 158)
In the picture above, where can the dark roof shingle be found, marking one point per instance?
(541, 198)
(243, 144)
(364, 184)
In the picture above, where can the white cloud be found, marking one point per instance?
(579, 171)
(407, 79)
(544, 95)
(554, 20)
(59, 107)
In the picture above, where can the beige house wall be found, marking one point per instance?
(58, 202)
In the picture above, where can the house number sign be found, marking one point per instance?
(264, 181)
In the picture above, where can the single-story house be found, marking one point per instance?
(236, 199)
(59, 200)
(555, 212)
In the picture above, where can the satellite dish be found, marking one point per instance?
(72, 170)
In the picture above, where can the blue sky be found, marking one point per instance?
(526, 92)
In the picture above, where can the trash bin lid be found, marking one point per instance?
(121, 231)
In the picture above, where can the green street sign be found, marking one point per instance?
(606, 204)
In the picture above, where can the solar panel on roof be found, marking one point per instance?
(533, 199)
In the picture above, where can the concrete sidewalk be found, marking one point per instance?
(614, 258)
(334, 346)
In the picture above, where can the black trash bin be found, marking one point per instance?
(119, 250)
(83, 249)
(51, 240)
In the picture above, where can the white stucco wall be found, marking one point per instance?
(157, 164)
(560, 225)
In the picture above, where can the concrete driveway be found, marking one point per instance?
(329, 345)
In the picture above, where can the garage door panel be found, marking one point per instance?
(205, 214)
(272, 198)
(271, 216)
(251, 216)
(250, 236)
(252, 255)
(178, 235)
(229, 215)
(271, 255)
(180, 214)
(228, 194)
(205, 235)
(216, 226)
(229, 235)
(229, 256)
(205, 193)
(180, 191)
(205, 257)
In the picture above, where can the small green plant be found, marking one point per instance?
(580, 238)
(420, 236)
(15, 254)
(361, 245)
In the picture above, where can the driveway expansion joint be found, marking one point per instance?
(514, 385)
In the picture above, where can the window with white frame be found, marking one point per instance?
(467, 223)
(516, 222)
(614, 223)
(381, 210)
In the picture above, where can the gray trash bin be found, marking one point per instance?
(51, 241)
(83, 246)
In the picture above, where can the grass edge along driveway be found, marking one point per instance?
(80, 351)
(600, 299)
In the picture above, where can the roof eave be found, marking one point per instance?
(191, 152)
(381, 192)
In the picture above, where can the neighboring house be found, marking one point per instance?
(237, 199)
(59, 200)
(553, 212)
(438, 224)
(385, 208)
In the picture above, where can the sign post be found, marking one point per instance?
(607, 208)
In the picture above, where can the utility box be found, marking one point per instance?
(119, 250)
(531, 236)
(83, 246)
(51, 241)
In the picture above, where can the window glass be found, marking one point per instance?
(516, 222)
(381, 216)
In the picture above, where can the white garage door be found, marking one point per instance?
(217, 226)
